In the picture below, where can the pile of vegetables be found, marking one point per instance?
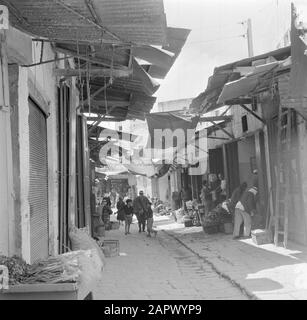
(17, 268)
(52, 270)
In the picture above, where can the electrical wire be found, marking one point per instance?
(213, 40)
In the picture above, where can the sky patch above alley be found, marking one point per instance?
(216, 37)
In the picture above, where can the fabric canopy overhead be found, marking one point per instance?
(208, 100)
(245, 85)
(169, 121)
(298, 78)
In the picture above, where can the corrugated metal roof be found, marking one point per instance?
(176, 38)
(138, 21)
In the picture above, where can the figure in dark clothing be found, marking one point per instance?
(245, 209)
(105, 211)
(140, 206)
(128, 215)
(120, 210)
(206, 197)
(186, 195)
(236, 196)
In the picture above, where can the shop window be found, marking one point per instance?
(244, 123)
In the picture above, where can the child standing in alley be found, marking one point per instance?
(128, 215)
(150, 229)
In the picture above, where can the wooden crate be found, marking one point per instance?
(260, 236)
(110, 248)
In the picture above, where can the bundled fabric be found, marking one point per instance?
(81, 240)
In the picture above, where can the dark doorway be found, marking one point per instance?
(216, 161)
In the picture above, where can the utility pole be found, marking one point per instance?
(250, 38)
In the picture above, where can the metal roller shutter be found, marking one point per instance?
(38, 192)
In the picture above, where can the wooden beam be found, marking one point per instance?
(83, 57)
(217, 138)
(238, 101)
(103, 72)
(252, 112)
(110, 103)
(107, 119)
(93, 126)
(86, 42)
(90, 6)
(94, 94)
(221, 128)
(217, 118)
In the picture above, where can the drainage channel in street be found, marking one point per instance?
(210, 282)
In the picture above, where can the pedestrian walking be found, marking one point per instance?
(244, 211)
(128, 209)
(206, 197)
(120, 210)
(105, 211)
(150, 221)
(140, 206)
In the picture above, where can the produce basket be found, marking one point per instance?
(188, 223)
(211, 229)
(110, 248)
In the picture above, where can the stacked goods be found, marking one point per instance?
(69, 267)
(17, 268)
(179, 215)
(53, 270)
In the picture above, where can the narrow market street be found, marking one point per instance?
(117, 114)
(160, 268)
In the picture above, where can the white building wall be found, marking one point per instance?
(40, 83)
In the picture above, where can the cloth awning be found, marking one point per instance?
(245, 85)
(169, 121)
(208, 100)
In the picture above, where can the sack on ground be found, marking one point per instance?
(81, 240)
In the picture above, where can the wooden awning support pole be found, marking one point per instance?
(90, 130)
(7, 214)
(220, 127)
(218, 138)
(252, 112)
(101, 72)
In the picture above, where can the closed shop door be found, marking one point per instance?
(38, 193)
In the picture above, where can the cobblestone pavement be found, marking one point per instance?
(265, 272)
(160, 268)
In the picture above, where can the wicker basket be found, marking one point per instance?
(110, 248)
(211, 229)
